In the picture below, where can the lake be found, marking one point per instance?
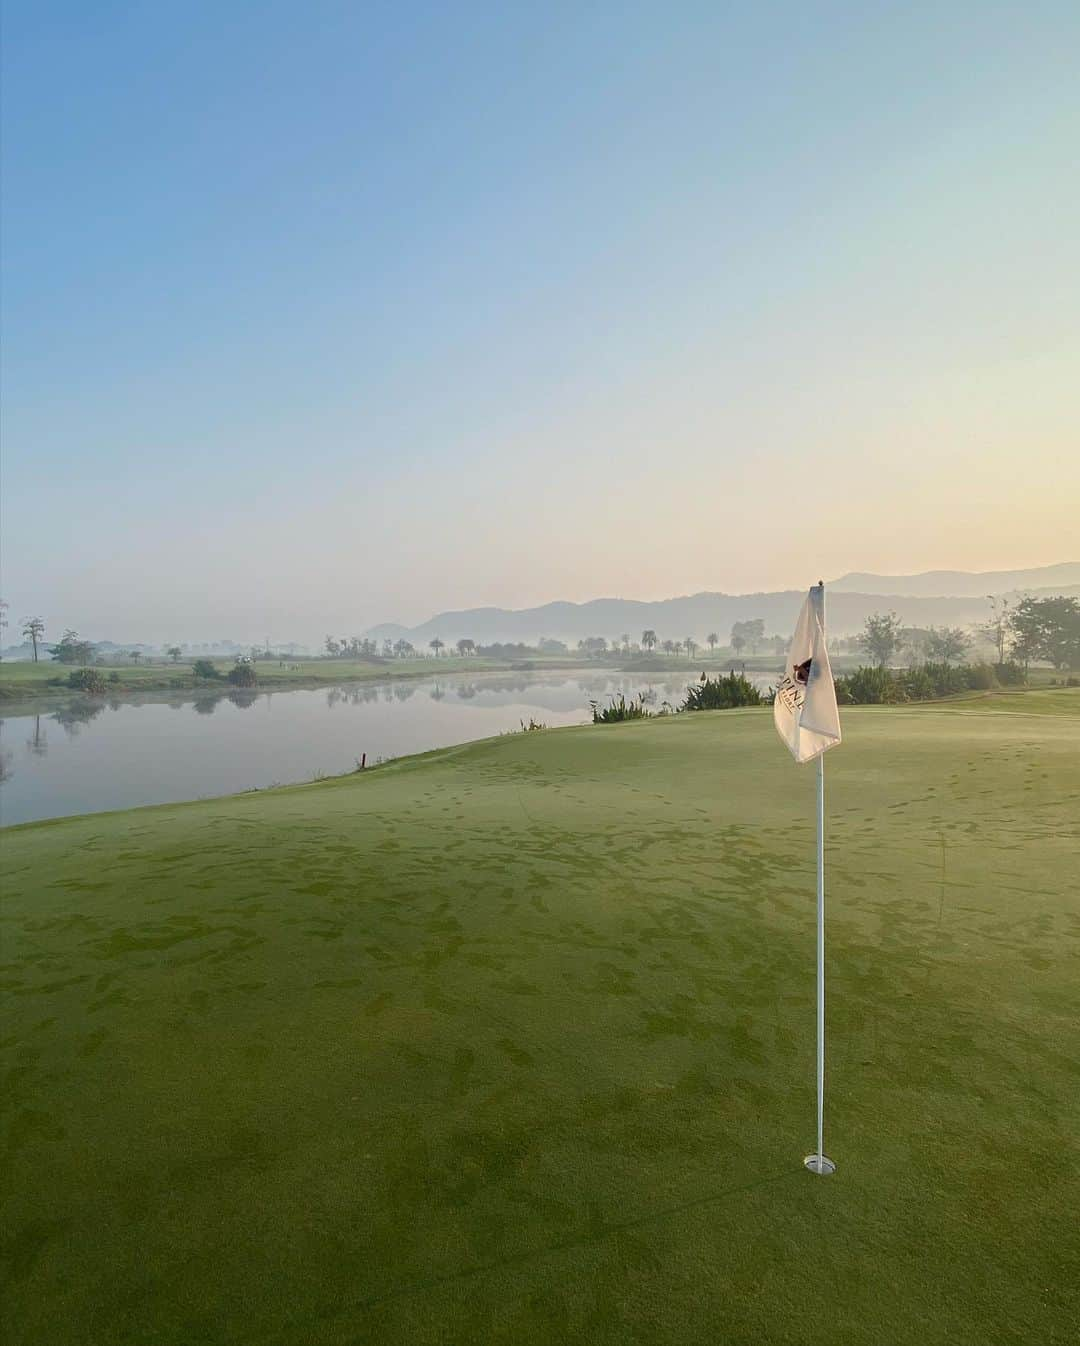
(99, 754)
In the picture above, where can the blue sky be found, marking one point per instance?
(318, 315)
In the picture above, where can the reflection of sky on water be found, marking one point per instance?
(101, 753)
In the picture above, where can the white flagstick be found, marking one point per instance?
(819, 1162)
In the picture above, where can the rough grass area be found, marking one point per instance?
(514, 1043)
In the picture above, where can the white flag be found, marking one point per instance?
(804, 710)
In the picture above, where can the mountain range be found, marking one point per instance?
(935, 598)
(960, 583)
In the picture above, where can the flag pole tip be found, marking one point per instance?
(819, 1163)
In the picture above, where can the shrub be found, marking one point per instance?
(243, 675)
(620, 709)
(721, 693)
(87, 680)
(114, 677)
(924, 682)
(942, 677)
(1010, 674)
(869, 687)
(203, 668)
(918, 685)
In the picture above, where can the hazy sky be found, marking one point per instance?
(317, 315)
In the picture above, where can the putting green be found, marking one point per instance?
(514, 1043)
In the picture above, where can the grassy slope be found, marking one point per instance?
(514, 1043)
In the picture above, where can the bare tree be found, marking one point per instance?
(34, 630)
(997, 628)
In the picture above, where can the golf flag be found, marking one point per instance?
(804, 709)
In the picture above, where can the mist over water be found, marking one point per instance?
(95, 755)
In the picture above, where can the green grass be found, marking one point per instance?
(514, 1043)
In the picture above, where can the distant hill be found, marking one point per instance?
(960, 583)
(693, 615)
(387, 631)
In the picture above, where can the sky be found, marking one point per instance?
(321, 315)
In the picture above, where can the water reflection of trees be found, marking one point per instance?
(38, 742)
(353, 696)
(73, 716)
(243, 697)
(206, 705)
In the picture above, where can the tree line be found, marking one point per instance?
(1026, 631)
(1029, 630)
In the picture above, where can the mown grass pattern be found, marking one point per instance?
(514, 1043)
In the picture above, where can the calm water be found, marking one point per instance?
(99, 755)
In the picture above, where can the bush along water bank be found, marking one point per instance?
(924, 682)
(866, 686)
(724, 693)
(618, 709)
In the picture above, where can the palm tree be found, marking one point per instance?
(436, 644)
(668, 646)
(33, 630)
(648, 639)
(713, 639)
(690, 646)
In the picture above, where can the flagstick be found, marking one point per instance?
(820, 1162)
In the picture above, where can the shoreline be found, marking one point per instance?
(16, 699)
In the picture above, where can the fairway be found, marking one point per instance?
(514, 1043)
